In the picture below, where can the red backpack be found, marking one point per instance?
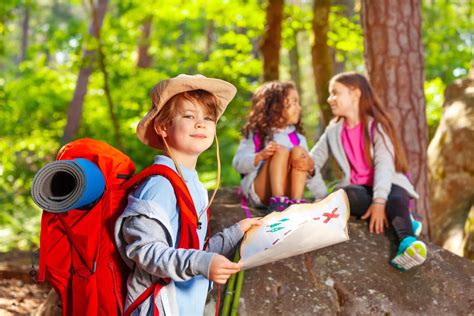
(78, 252)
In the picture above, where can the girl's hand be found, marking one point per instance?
(378, 219)
(303, 163)
(222, 268)
(247, 223)
(267, 152)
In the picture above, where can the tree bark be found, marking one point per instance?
(209, 38)
(321, 58)
(25, 25)
(394, 61)
(108, 95)
(271, 41)
(144, 58)
(295, 69)
(89, 57)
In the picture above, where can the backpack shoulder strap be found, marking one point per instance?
(185, 201)
(373, 126)
(294, 139)
(257, 142)
(293, 136)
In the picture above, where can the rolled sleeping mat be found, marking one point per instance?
(65, 185)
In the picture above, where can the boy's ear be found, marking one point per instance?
(161, 131)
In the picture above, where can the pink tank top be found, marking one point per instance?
(353, 144)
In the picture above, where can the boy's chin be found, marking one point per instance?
(198, 151)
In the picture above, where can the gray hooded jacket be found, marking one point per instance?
(383, 157)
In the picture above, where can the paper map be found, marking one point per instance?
(298, 229)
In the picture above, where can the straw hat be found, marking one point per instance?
(166, 89)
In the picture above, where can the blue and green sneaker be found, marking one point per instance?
(411, 253)
(416, 226)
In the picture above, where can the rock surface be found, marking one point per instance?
(350, 278)
(451, 171)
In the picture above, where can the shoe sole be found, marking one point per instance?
(413, 256)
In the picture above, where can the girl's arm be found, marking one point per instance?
(148, 245)
(384, 164)
(319, 153)
(244, 159)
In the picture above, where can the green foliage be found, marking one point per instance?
(346, 38)
(447, 38)
(434, 90)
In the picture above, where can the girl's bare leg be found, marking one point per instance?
(261, 184)
(273, 176)
(279, 171)
(297, 178)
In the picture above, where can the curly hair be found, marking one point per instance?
(267, 113)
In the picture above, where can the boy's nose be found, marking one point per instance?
(200, 124)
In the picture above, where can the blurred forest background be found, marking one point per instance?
(72, 69)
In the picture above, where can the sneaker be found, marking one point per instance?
(278, 203)
(296, 201)
(416, 226)
(411, 253)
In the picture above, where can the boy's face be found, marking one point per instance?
(191, 131)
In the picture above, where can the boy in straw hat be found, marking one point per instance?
(182, 123)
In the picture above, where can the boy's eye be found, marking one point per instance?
(188, 116)
(208, 118)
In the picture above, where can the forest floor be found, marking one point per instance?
(19, 294)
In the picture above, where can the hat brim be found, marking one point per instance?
(166, 89)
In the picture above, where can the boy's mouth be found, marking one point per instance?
(200, 136)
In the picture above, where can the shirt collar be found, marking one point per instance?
(167, 161)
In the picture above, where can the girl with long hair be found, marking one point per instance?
(364, 143)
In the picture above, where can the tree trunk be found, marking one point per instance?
(295, 70)
(271, 41)
(209, 38)
(394, 61)
(74, 114)
(25, 25)
(108, 95)
(321, 58)
(144, 58)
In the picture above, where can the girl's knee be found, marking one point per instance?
(297, 151)
(282, 151)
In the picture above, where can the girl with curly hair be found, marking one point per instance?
(273, 156)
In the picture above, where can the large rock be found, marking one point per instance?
(451, 170)
(349, 278)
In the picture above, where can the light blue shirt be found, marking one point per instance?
(191, 294)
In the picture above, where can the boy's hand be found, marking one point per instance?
(222, 268)
(247, 223)
(303, 163)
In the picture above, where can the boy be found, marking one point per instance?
(182, 122)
